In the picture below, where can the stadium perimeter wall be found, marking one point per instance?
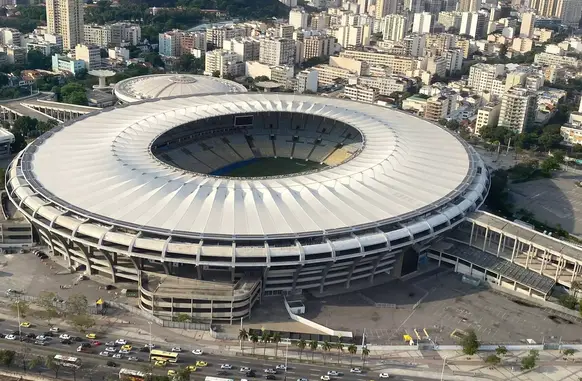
(314, 325)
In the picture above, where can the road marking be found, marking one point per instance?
(316, 370)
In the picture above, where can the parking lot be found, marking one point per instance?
(447, 304)
(556, 201)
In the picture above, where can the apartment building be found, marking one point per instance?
(450, 20)
(277, 51)
(571, 12)
(522, 44)
(62, 63)
(352, 36)
(468, 5)
(399, 64)
(437, 108)
(112, 34)
(548, 8)
(481, 76)
(285, 31)
(217, 36)
(384, 85)
(473, 24)
(394, 27)
(10, 36)
(327, 75)
(440, 42)
(361, 93)
(169, 43)
(518, 109)
(65, 18)
(453, 60)
(528, 21)
(306, 81)
(422, 22)
(415, 45)
(298, 18)
(248, 48)
(16, 55)
(318, 46)
(385, 7)
(224, 62)
(90, 54)
(554, 59)
(488, 115)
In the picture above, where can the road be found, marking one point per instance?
(95, 368)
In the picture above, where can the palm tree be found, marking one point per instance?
(340, 349)
(255, 339)
(301, 344)
(243, 335)
(365, 353)
(265, 338)
(51, 364)
(35, 362)
(276, 338)
(352, 349)
(313, 346)
(326, 346)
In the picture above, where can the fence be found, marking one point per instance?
(161, 322)
(59, 305)
(222, 335)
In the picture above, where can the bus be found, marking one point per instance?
(131, 375)
(210, 378)
(70, 362)
(157, 355)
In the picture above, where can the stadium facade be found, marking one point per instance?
(139, 193)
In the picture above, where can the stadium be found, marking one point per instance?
(211, 202)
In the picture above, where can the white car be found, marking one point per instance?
(197, 351)
(104, 354)
(110, 344)
(64, 336)
(120, 341)
(117, 356)
(111, 349)
(54, 329)
(10, 337)
(133, 358)
(270, 371)
(332, 373)
(325, 378)
(281, 367)
(244, 369)
(384, 375)
(226, 366)
(41, 338)
(355, 370)
(176, 349)
(124, 351)
(150, 346)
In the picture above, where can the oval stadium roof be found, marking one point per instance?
(101, 167)
(171, 85)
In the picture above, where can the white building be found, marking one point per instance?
(384, 85)
(361, 93)
(277, 51)
(473, 24)
(487, 116)
(10, 36)
(518, 109)
(454, 60)
(394, 27)
(90, 54)
(298, 18)
(248, 48)
(482, 76)
(528, 21)
(224, 62)
(65, 18)
(352, 36)
(306, 81)
(62, 63)
(422, 23)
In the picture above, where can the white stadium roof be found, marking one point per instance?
(171, 85)
(101, 167)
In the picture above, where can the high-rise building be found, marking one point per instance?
(298, 18)
(385, 7)
(277, 51)
(518, 109)
(318, 46)
(454, 60)
(10, 36)
(422, 22)
(572, 12)
(528, 21)
(473, 24)
(469, 5)
(351, 36)
(548, 8)
(217, 36)
(414, 6)
(65, 18)
(394, 27)
(223, 62)
(306, 81)
(436, 108)
(169, 43)
(450, 20)
(90, 54)
(363, 6)
(481, 76)
(488, 116)
(415, 45)
(246, 47)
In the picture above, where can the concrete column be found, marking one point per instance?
(575, 272)
(472, 230)
(485, 240)
(514, 250)
(500, 244)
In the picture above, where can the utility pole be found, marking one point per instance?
(443, 370)
(241, 328)
(286, 354)
(150, 323)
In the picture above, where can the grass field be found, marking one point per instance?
(270, 166)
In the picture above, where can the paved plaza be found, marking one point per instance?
(447, 305)
(554, 201)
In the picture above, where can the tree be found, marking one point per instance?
(568, 301)
(301, 344)
(529, 361)
(326, 346)
(313, 345)
(365, 354)
(82, 322)
(77, 99)
(549, 140)
(443, 122)
(51, 364)
(453, 125)
(20, 307)
(19, 143)
(276, 338)
(501, 350)
(265, 338)
(497, 199)
(340, 349)
(46, 301)
(470, 343)
(503, 51)
(182, 374)
(76, 310)
(352, 349)
(182, 318)
(25, 125)
(243, 335)
(568, 352)
(216, 73)
(7, 357)
(493, 360)
(37, 60)
(35, 363)
(254, 339)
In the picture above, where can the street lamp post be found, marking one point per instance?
(150, 323)
(286, 354)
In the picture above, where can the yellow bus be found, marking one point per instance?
(157, 355)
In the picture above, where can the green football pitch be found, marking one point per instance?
(270, 166)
